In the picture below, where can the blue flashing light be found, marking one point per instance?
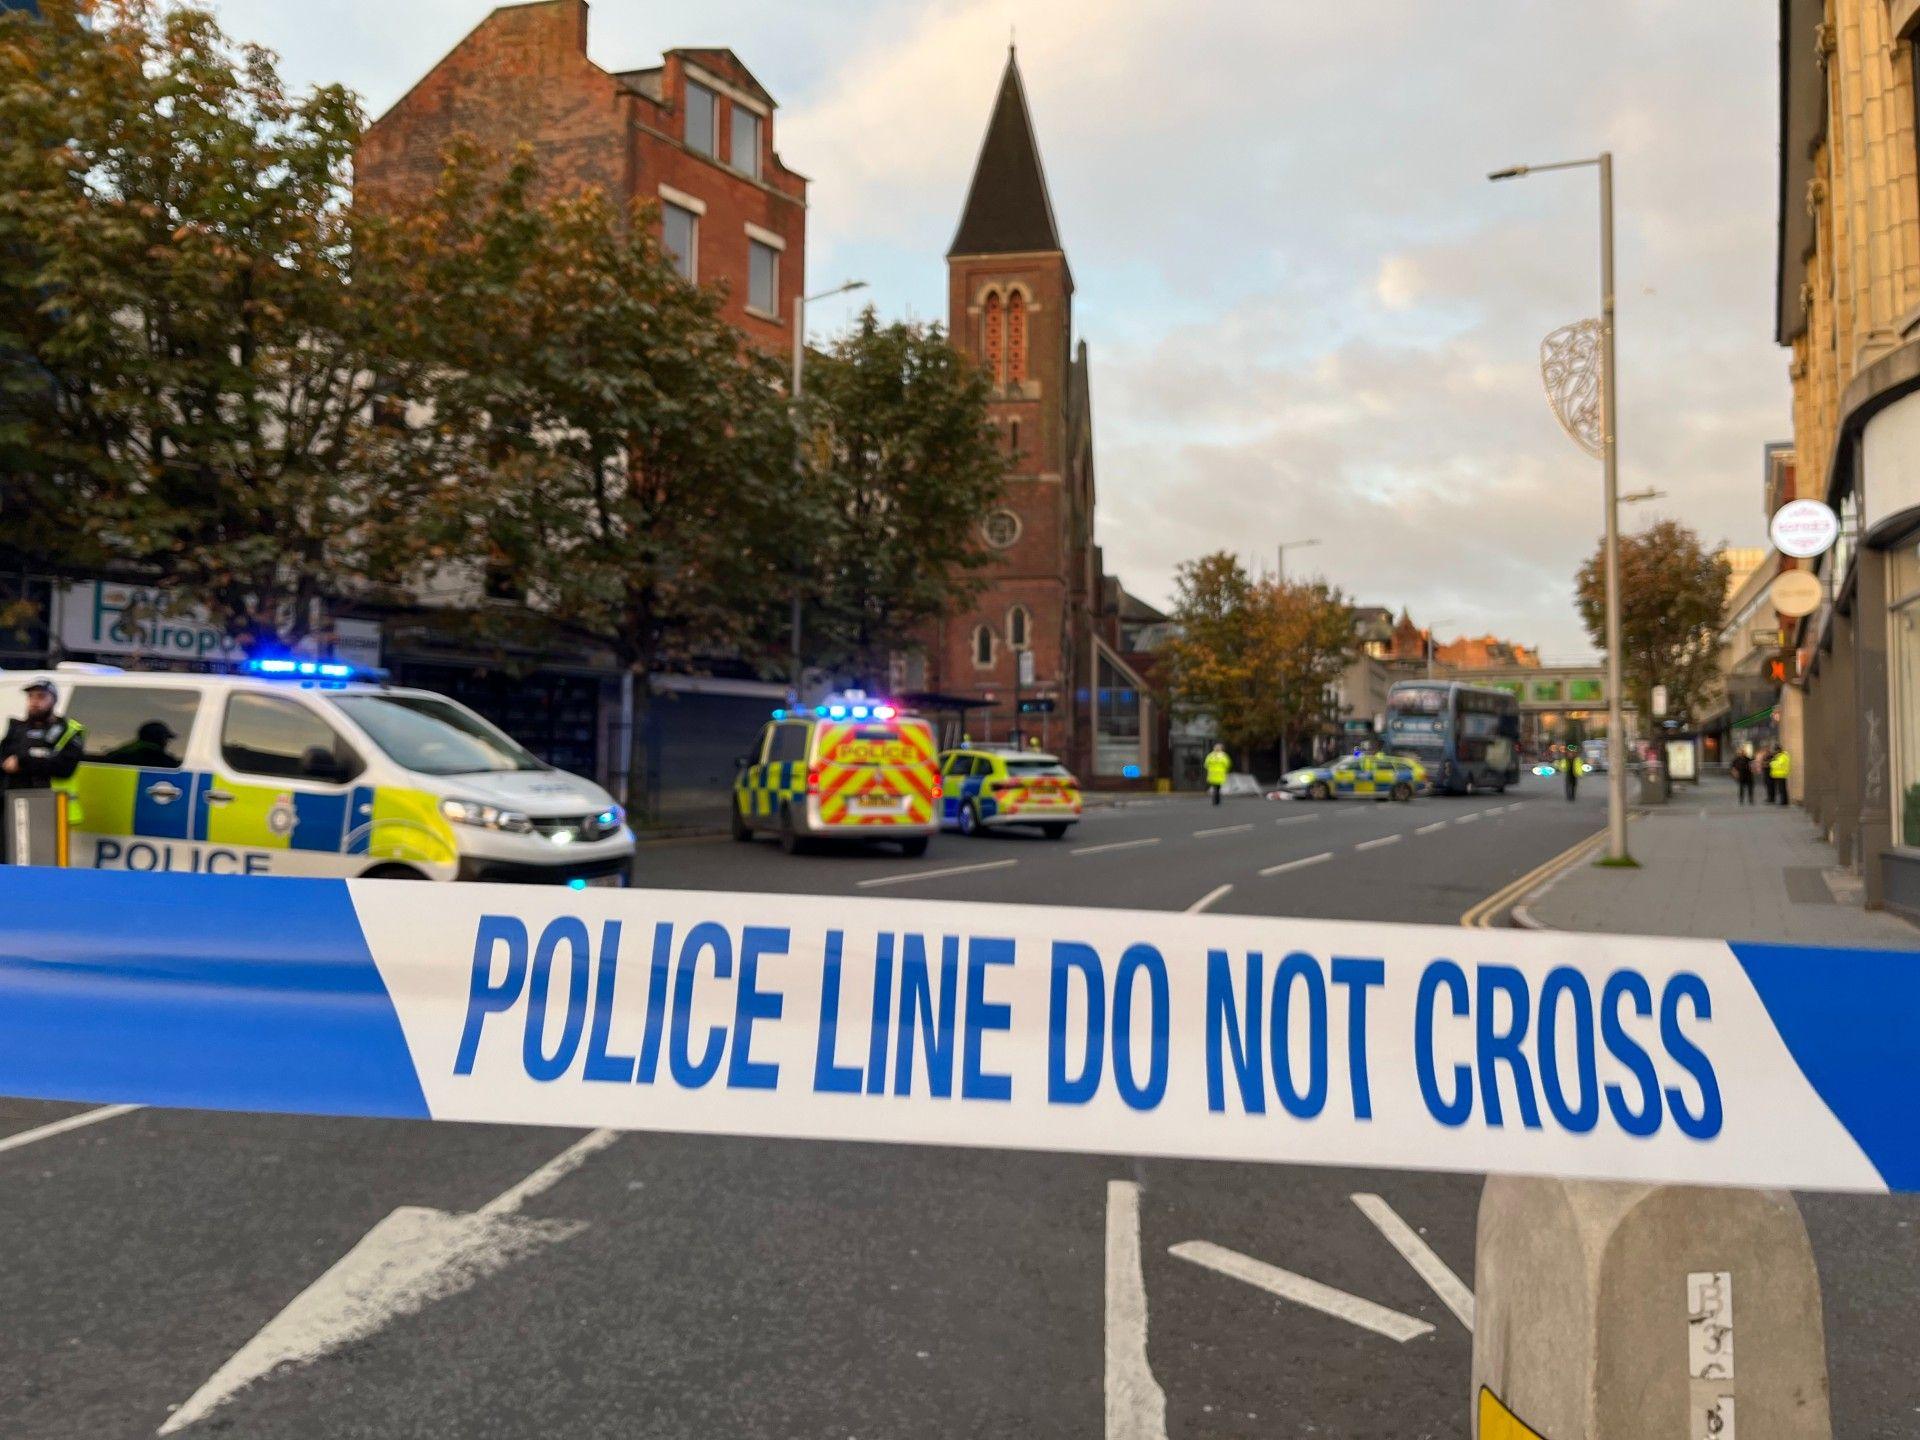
(837, 712)
(859, 712)
(576, 883)
(821, 711)
(780, 714)
(1132, 772)
(281, 667)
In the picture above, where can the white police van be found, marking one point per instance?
(306, 767)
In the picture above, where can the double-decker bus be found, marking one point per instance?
(1467, 736)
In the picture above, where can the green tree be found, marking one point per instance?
(1259, 656)
(610, 451)
(204, 320)
(1673, 597)
(900, 466)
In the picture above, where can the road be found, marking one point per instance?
(531, 1281)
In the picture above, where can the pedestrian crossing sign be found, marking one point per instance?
(1499, 1423)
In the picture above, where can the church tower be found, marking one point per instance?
(1010, 298)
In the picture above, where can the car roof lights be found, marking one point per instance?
(285, 668)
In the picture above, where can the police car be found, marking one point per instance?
(306, 767)
(1375, 777)
(984, 787)
(852, 768)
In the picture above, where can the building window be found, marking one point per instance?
(680, 234)
(763, 278)
(745, 146)
(703, 119)
(1903, 625)
(1117, 724)
(1014, 439)
(1001, 528)
(1017, 627)
(993, 340)
(1016, 338)
(982, 648)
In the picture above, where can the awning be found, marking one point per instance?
(1756, 719)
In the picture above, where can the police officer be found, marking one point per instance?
(1219, 766)
(1779, 767)
(1570, 767)
(44, 747)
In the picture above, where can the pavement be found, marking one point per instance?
(684, 1286)
(1712, 867)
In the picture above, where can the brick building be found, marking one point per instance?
(693, 135)
(1010, 308)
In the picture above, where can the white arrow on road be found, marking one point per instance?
(405, 1263)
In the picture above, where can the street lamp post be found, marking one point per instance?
(1280, 555)
(1610, 458)
(800, 303)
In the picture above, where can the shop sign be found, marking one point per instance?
(1795, 593)
(1804, 528)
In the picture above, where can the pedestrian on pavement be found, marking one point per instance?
(1219, 766)
(1764, 764)
(1742, 768)
(1570, 767)
(43, 748)
(1778, 768)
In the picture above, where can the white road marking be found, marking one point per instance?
(1115, 845)
(1416, 1252)
(1207, 899)
(1302, 1291)
(1296, 819)
(1468, 819)
(1298, 864)
(1429, 829)
(61, 1127)
(1136, 1405)
(936, 874)
(1376, 844)
(409, 1260)
(1223, 830)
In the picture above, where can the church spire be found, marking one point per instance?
(1008, 209)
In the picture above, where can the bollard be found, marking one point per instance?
(1608, 1311)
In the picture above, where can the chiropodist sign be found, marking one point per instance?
(1251, 1039)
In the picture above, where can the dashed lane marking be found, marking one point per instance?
(61, 1127)
(1298, 864)
(936, 874)
(1302, 1291)
(1429, 829)
(1296, 819)
(1115, 845)
(1376, 844)
(1222, 830)
(1416, 1252)
(1206, 900)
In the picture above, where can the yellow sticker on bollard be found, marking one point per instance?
(1499, 1423)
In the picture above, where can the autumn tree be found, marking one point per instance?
(1673, 595)
(1259, 656)
(196, 319)
(902, 465)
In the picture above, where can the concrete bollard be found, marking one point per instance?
(1636, 1312)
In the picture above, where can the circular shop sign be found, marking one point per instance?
(1804, 528)
(1795, 593)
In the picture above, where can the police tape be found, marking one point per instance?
(1026, 1027)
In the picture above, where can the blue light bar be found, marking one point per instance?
(308, 669)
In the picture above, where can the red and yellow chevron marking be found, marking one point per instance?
(900, 766)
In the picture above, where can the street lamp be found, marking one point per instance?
(1280, 554)
(800, 303)
(1610, 457)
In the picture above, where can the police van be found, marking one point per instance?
(849, 769)
(305, 767)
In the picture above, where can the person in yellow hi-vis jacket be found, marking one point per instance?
(1779, 767)
(1219, 766)
(43, 750)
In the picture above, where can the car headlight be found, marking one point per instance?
(485, 817)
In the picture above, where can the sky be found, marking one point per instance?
(1310, 316)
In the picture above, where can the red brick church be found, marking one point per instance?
(1010, 307)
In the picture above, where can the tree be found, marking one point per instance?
(901, 465)
(203, 318)
(611, 452)
(1259, 656)
(1673, 596)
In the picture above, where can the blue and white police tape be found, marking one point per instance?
(1205, 1036)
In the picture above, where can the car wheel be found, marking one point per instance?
(742, 831)
(913, 849)
(1321, 790)
(1403, 791)
(791, 841)
(970, 819)
(1054, 832)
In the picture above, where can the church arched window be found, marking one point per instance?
(982, 647)
(993, 325)
(1016, 338)
(1018, 625)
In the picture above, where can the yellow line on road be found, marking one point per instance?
(1480, 917)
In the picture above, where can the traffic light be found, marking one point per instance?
(1784, 668)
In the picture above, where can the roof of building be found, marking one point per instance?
(1008, 209)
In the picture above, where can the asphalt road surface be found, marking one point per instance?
(282, 1277)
